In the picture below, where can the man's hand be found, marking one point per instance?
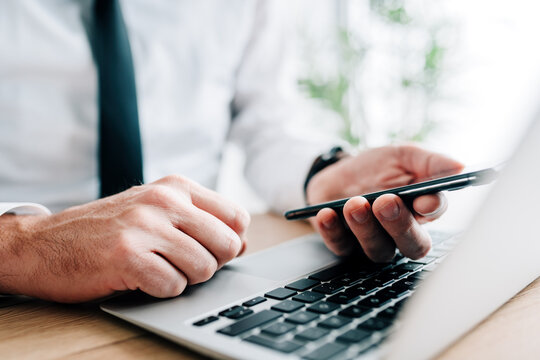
(157, 238)
(389, 223)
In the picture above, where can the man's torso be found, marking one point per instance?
(185, 55)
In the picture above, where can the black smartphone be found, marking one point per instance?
(407, 192)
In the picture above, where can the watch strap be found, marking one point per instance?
(321, 162)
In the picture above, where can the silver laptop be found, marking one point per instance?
(297, 300)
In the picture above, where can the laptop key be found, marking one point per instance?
(288, 306)
(240, 313)
(312, 334)
(280, 294)
(389, 313)
(409, 283)
(374, 324)
(385, 295)
(302, 317)
(369, 285)
(410, 266)
(334, 322)
(345, 280)
(436, 253)
(343, 297)
(398, 258)
(302, 284)
(328, 288)
(396, 273)
(382, 280)
(250, 322)
(328, 274)
(421, 275)
(388, 293)
(283, 346)
(323, 307)
(206, 321)
(426, 260)
(374, 301)
(278, 328)
(255, 301)
(354, 311)
(400, 303)
(308, 297)
(360, 289)
(354, 336)
(236, 312)
(230, 310)
(401, 288)
(326, 351)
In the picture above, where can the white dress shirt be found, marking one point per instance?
(194, 61)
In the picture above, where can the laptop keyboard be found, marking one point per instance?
(339, 312)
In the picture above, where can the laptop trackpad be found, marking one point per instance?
(286, 261)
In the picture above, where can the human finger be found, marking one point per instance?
(398, 221)
(233, 215)
(186, 254)
(333, 232)
(219, 239)
(429, 207)
(426, 164)
(216, 236)
(375, 242)
(154, 275)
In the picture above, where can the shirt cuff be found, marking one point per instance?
(23, 209)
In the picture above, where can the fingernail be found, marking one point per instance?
(329, 223)
(360, 215)
(442, 204)
(390, 211)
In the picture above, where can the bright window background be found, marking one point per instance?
(458, 76)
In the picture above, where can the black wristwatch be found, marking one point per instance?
(322, 161)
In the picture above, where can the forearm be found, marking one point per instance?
(15, 240)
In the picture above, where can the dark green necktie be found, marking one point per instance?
(120, 153)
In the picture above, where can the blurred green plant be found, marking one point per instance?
(392, 10)
(332, 91)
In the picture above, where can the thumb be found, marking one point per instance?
(426, 164)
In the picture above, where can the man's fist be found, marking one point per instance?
(157, 237)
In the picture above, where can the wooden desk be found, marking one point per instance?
(42, 330)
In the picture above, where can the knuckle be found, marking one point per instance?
(177, 180)
(241, 220)
(205, 270)
(177, 286)
(123, 250)
(158, 280)
(234, 245)
(138, 214)
(162, 282)
(134, 189)
(158, 194)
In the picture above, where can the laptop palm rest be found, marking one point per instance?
(242, 278)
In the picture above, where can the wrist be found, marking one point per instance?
(16, 242)
(317, 171)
